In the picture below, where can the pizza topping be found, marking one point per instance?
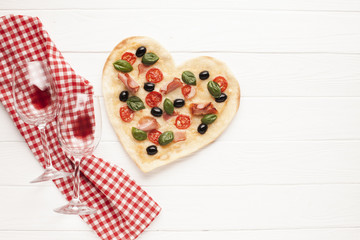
(138, 134)
(222, 82)
(122, 66)
(142, 68)
(154, 135)
(188, 91)
(126, 114)
(204, 75)
(214, 89)
(178, 103)
(156, 112)
(209, 118)
(171, 86)
(202, 128)
(168, 106)
(179, 136)
(140, 51)
(149, 87)
(147, 124)
(188, 78)
(129, 57)
(182, 121)
(151, 150)
(129, 82)
(123, 96)
(166, 138)
(135, 103)
(153, 99)
(149, 58)
(167, 116)
(202, 108)
(154, 75)
(222, 98)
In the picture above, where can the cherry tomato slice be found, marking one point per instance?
(154, 75)
(126, 114)
(222, 82)
(153, 99)
(182, 121)
(130, 57)
(154, 135)
(186, 89)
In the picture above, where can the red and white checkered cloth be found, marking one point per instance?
(125, 210)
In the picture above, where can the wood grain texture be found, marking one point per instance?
(253, 163)
(296, 234)
(305, 5)
(232, 208)
(288, 75)
(249, 31)
(262, 118)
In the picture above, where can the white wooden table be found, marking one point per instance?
(289, 168)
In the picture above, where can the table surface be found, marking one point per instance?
(288, 167)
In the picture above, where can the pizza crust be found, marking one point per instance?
(112, 87)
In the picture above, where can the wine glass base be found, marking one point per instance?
(75, 207)
(50, 174)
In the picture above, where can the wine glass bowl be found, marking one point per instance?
(79, 133)
(36, 103)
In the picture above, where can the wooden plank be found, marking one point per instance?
(296, 234)
(263, 118)
(221, 163)
(203, 208)
(249, 31)
(262, 74)
(334, 5)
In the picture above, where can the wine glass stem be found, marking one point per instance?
(76, 189)
(48, 163)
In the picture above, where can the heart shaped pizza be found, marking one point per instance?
(161, 112)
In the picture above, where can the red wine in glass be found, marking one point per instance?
(36, 102)
(79, 132)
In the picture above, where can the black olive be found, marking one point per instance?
(124, 95)
(202, 128)
(204, 75)
(149, 87)
(222, 98)
(140, 51)
(151, 150)
(156, 112)
(178, 103)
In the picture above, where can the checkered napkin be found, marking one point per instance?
(125, 210)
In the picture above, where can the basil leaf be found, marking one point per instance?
(138, 134)
(188, 78)
(209, 118)
(166, 138)
(123, 66)
(214, 89)
(135, 103)
(168, 106)
(149, 58)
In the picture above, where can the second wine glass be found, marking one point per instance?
(36, 102)
(79, 132)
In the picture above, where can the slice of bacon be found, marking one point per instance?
(142, 68)
(167, 116)
(202, 108)
(129, 82)
(148, 123)
(179, 136)
(171, 86)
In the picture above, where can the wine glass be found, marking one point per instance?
(36, 103)
(79, 132)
